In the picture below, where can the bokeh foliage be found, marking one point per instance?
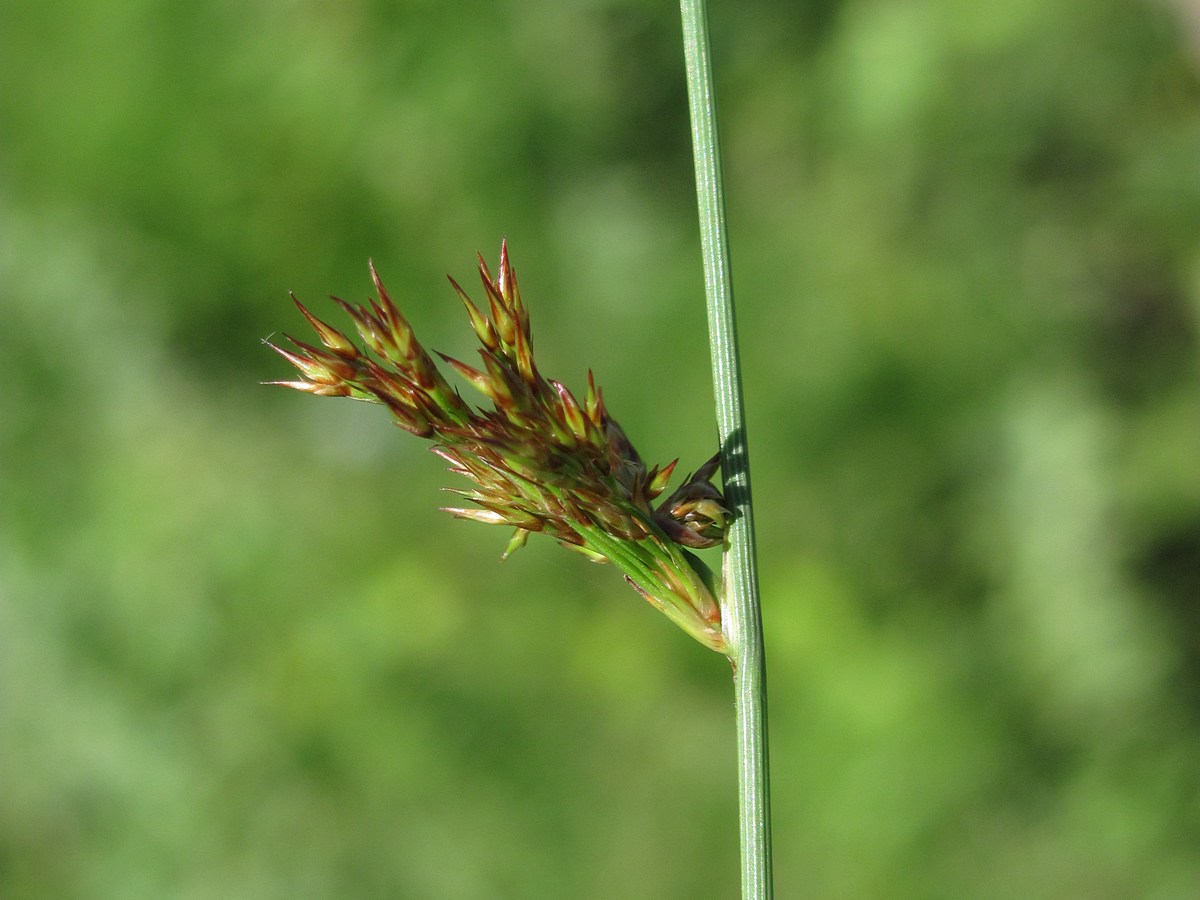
(242, 656)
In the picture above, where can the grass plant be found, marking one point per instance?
(542, 461)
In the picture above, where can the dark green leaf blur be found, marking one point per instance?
(243, 656)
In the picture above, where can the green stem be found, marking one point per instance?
(740, 612)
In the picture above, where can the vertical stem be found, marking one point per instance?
(740, 613)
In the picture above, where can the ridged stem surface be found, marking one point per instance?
(740, 611)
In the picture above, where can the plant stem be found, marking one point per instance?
(740, 612)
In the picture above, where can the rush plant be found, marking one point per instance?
(541, 461)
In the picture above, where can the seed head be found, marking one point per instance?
(539, 460)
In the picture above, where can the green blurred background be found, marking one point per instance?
(241, 654)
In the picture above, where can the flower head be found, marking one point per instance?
(539, 459)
